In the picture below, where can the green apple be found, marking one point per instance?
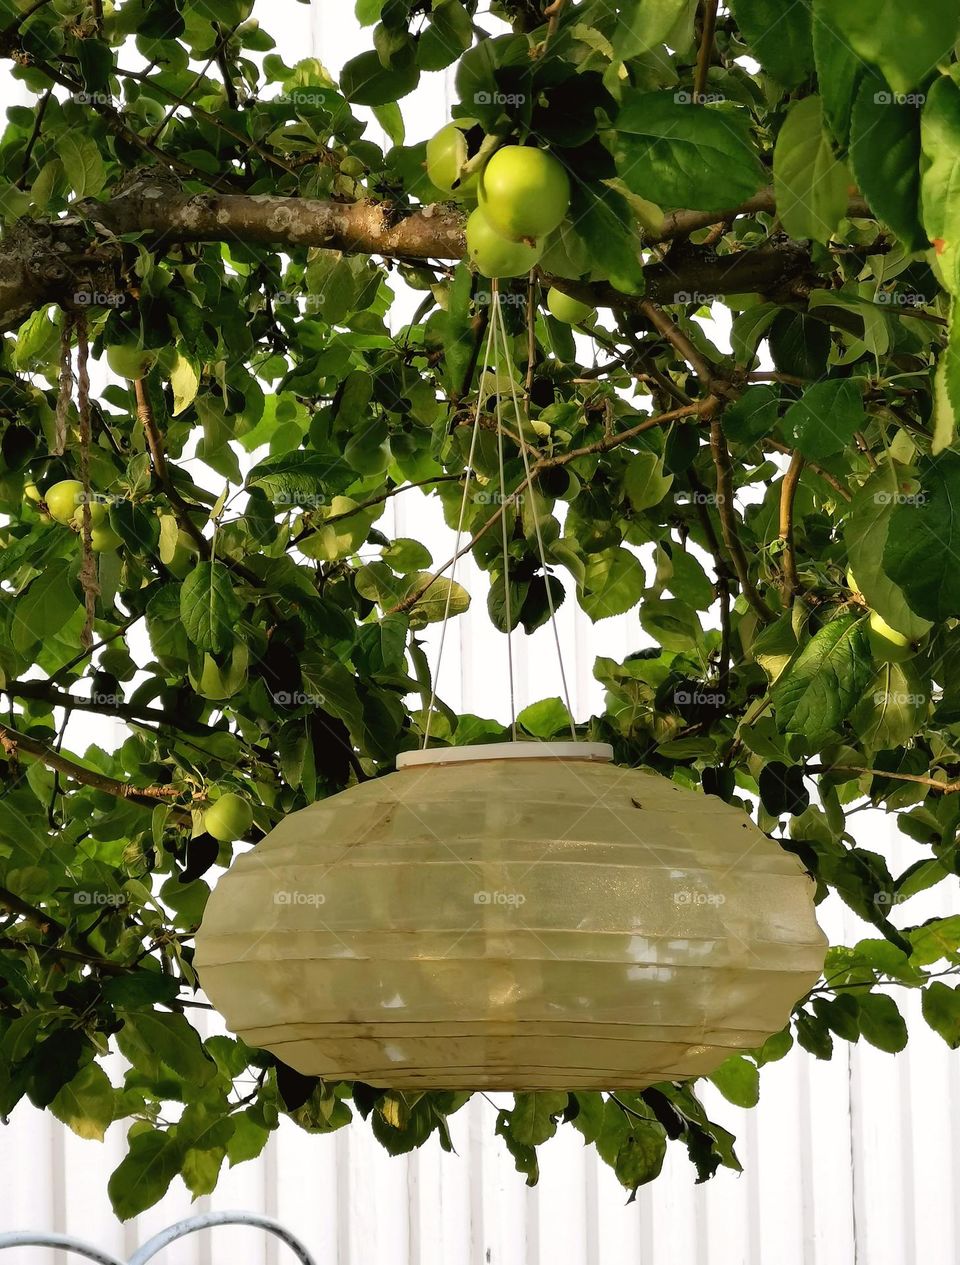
(446, 154)
(128, 360)
(116, 660)
(104, 539)
(569, 310)
(63, 498)
(525, 192)
(888, 645)
(228, 818)
(494, 255)
(98, 515)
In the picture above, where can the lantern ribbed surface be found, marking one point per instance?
(511, 917)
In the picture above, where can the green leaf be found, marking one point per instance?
(738, 1080)
(881, 1022)
(671, 623)
(681, 155)
(865, 535)
(172, 1040)
(885, 155)
(839, 70)
(641, 27)
(894, 706)
(924, 540)
(780, 34)
(824, 420)
(613, 583)
(819, 688)
(443, 597)
(546, 719)
(940, 177)
(532, 1118)
(903, 41)
(209, 607)
(644, 480)
(810, 184)
(641, 1154)
(45, 607)
(605, 224)
(142, 1177)
(941, 1009)
(82, 163)
(86, 1103)
(751, 416)
(364, 80)
(185, 379)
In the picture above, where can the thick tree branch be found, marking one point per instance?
(60, 261)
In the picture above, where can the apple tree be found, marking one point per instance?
(193, 550)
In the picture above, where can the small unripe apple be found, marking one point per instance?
(104, 539)
(447, 151)
(228, 818)
(567, 309)
(98, 515)
(63, 498)
(127, 360)
(493, 254)
(524, 191)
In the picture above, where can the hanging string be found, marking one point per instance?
(503, 527)
(456, 552)
(498, 316)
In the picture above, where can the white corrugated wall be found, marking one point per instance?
(853, 1161)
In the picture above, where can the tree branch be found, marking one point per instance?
(15, 744)
(728, 521)
(55, 261)
(788, 496)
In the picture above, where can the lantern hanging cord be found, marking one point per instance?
(498, 316)
(508, 614)
(468, 475)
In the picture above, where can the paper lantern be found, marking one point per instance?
(513, 916)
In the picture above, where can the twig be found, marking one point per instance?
(14, 743)
(671, 331)
(158, 460)
(788, 496)
(548, 463)
(945, 788)
(15, 905)
(727, 511)
(705, 53)
(827, 477)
